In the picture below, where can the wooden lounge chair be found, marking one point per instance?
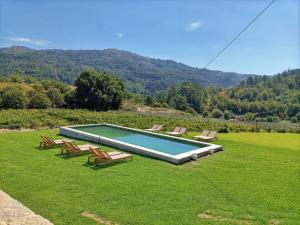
(101, 157)
(203, 135)
(49, 142)
(155, 128)
(159, 127)
(207, 135)
(71, 148)
(177, 131)
(182, 130)
(213, 135)
(96, 152)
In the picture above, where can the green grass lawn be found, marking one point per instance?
(256, 180)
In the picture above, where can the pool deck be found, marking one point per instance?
(176, 159)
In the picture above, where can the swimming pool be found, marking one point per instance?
(168, 148)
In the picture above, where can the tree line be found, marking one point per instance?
(93, 90)
(259, 98)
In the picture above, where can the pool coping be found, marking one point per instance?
(176, 159)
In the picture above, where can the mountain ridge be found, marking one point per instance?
(141, 73)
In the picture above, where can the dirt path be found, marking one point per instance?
(13, 212)
(16, 130)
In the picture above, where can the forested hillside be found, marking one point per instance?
(264, 98)
(267, 98)
(138, 72)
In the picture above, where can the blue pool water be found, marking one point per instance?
(150, 141)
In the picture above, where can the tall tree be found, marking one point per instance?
(99, 91)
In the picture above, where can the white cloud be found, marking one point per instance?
(29, 40)
(194, 25)
(120, 35)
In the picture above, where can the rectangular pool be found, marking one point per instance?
(168, 148)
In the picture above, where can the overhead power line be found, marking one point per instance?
(239, 34)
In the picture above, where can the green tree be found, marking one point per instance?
(250, 81)
(69, 99)
(56, 95)
(294, 119)
(293, 110)
(184, 95)
(249, 116)
(38, 100)
(179, 102)
(226, 115)
(149, 101)
(138, 98)
(216, 113)
(13, 97)
(99, 91)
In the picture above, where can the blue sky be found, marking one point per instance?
(191, 32)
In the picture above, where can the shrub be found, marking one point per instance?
(280, 130)
(227, 115)
(149, 101)
(275, 119)
(205, 114)
(249, 116)
(191, 110)
(156, 104)
(13, 97)
(216, 113)
(232, 115)
(258, 119)
(165, 105)
(223, 130)
(39, 100)
(14, 126)
(294, 119)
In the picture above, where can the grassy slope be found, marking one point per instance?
(249, 181)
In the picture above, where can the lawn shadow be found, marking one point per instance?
(68, 156)
(103, 166)
(45, 149)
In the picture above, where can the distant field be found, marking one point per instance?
(255, 181)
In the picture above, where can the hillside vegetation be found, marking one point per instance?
(260, 98)
(18, 93)
(38, 118)
(263, 99)
(139, 73)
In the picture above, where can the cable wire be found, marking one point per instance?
(239, 34)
